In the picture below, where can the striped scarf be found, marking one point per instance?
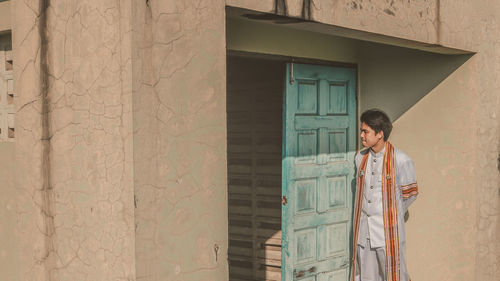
(390, 213)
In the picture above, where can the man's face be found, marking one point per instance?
(368, 136)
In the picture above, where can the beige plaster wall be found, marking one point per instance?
(180, 140)
(82, 66)
(478, 24)
(74, 140)
(5, 13)
(30, 221)
(438, 133)
(8, 241)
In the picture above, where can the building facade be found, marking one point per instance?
(125, 159)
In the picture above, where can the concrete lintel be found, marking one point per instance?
(300, 24)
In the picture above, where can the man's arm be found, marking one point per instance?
(408, 180)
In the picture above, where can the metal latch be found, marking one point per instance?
(302, 273)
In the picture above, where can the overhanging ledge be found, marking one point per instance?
(313, 26)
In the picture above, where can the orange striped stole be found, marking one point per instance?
(389, 208)
(357, 211)
(390, 215)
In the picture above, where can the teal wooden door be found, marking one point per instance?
(319, 144)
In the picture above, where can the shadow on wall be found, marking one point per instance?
(394, 78)
(390, 77)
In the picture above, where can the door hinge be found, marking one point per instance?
(284, 200)
(291, 74)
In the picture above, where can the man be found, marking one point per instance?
(386, 186)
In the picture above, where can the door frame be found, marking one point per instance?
(302, 60)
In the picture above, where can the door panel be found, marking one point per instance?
(319, 143)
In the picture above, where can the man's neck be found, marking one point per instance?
(378, 146)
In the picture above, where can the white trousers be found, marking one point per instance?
(370, 263)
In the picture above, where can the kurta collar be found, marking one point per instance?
(379, 154)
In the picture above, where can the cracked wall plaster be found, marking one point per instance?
(8, 240)
(180, 140)
(478, 25)
(166, 61)
(75, 206)
(9, 244)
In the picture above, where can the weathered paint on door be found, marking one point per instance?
(319, 144)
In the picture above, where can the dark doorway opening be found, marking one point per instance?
(254, 151)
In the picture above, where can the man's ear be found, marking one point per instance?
(380, 134)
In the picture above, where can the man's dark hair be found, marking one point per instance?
(378, 121)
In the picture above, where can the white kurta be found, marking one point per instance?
(372, 221)
(371, 225)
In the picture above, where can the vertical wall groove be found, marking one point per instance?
(280, 7)
(438, 22)
(46, 192)
(306, 9)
